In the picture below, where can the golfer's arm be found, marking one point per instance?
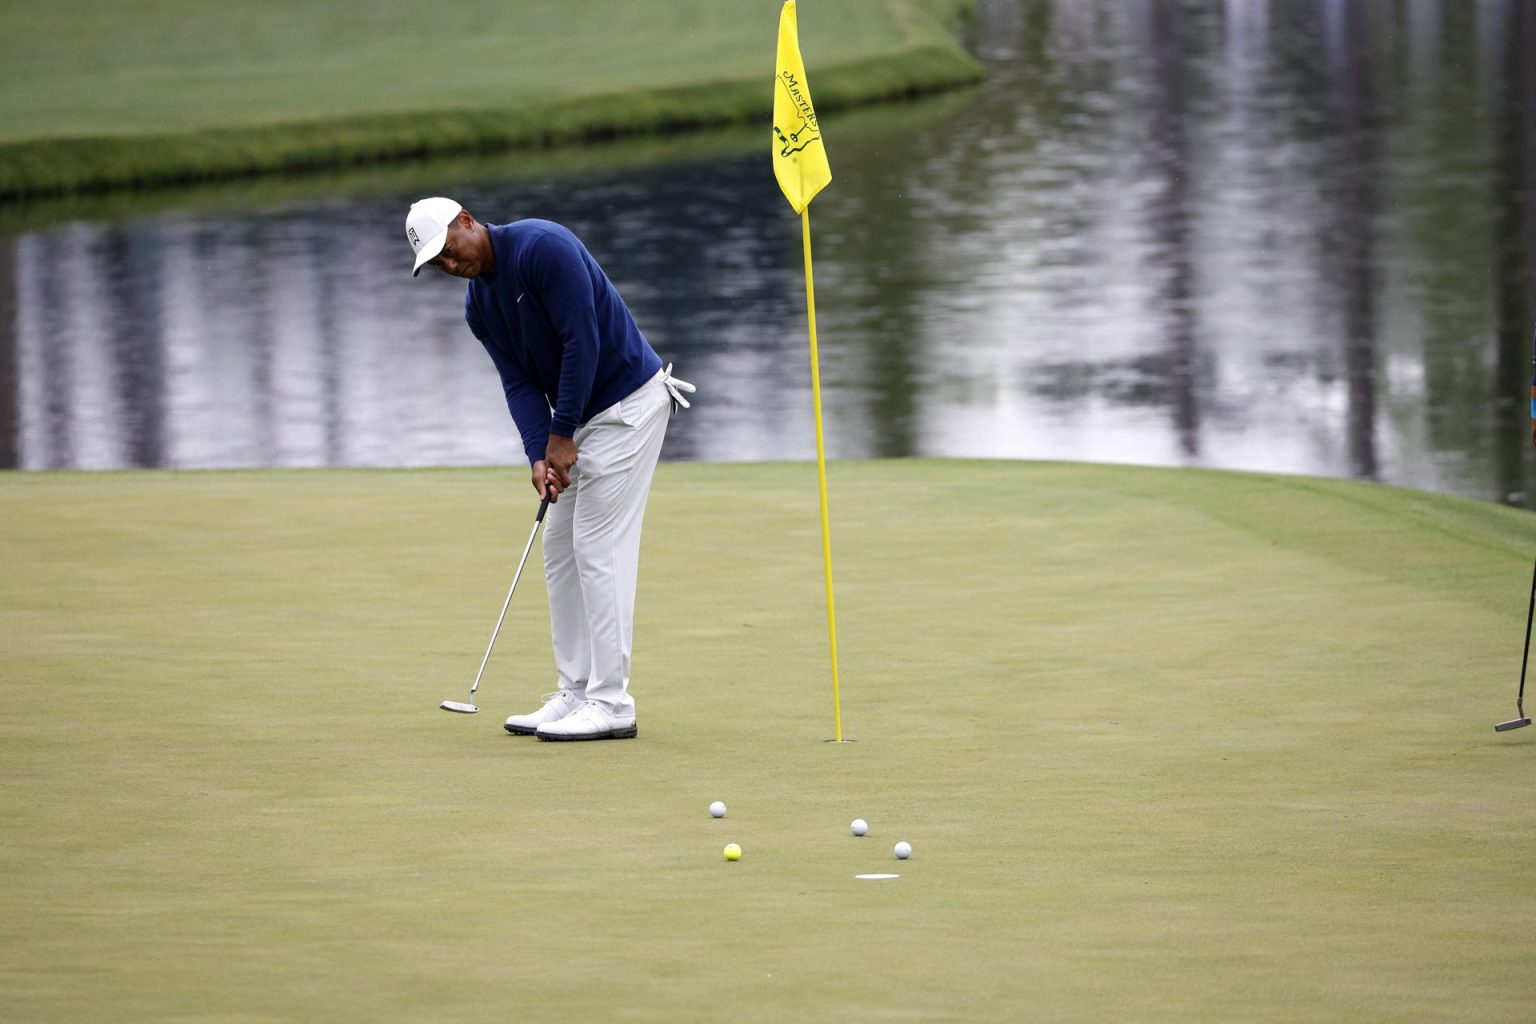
(530, 412)
(526, 403)
(566, 291)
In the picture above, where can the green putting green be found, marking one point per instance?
(1169, 746)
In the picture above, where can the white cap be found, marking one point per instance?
(426, 227)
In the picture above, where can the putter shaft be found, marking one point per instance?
(538, 520)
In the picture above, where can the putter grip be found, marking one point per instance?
(543, 507)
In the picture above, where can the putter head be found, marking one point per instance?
(459, 706)
(1513, 723)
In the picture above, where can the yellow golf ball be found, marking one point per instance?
(732, 851)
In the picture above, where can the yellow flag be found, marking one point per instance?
(799, 157)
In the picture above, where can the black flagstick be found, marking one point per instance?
(1522, 721)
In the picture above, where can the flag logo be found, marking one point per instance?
(808, 132)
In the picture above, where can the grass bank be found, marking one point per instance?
(1170, 746)
(107, 95)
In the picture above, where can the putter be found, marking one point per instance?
(468, 707)
(1522, 721)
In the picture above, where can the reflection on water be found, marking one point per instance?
(1248, 234)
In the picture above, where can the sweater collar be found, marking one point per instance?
(501, 251)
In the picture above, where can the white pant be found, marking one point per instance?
(592, 546)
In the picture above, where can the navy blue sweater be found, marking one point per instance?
(562, 339)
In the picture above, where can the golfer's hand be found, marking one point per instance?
(544, 481)
(560, 453)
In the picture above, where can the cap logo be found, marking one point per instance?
(415, 238)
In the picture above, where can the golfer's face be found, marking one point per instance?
(461, 255)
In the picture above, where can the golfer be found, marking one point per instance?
(590, 398)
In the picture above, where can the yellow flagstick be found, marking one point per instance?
(800, 165)
(821, 467)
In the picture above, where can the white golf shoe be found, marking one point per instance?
(556, 706)
(590, 721)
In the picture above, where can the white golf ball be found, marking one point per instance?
(859, 826)
(903, 850)
(717, 809)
